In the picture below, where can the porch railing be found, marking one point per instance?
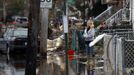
(118, 17)
(104, 15)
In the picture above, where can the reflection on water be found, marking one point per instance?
(12, 66)
(15, 64)
(56, 62)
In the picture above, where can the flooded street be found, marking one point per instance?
(14, 64)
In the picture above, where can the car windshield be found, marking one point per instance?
(23, 19)
(8, 33)
(20, 33)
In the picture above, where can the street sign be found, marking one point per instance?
(65, 23)
(46, 3)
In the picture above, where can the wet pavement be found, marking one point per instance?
(14, 64)
(11, 66)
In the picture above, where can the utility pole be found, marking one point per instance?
(43, 41)
(31, 52)
(44, 7)
(65, 22)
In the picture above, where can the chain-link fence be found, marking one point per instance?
(125, 33)
(118, 52)
(128, 55)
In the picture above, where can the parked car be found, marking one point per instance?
(20, 21)
(3, 45)
(16, 39)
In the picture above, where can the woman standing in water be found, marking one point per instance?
(89, 33)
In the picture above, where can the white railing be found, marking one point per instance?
(117, 17)
(104, 14)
